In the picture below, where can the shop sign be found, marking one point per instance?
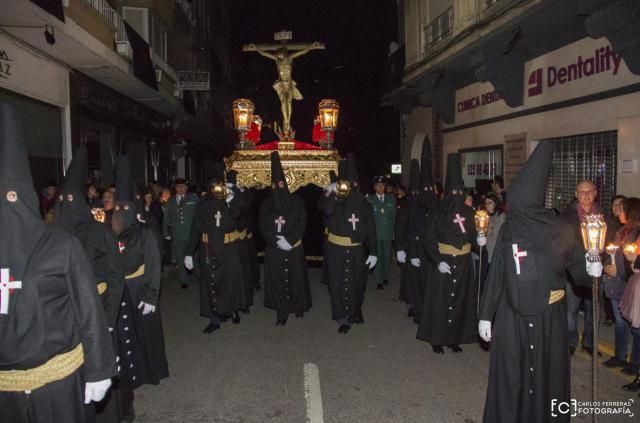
(5, 65)
(193, 80)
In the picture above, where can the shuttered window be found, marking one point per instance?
(591, 157)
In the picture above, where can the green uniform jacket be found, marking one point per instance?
(384, 213)
(177, 218)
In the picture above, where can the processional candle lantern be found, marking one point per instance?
(98, 214)
(631, 248)
(594, 231)
(482, 222)
(343, 188)
(329, 112)
(242, 118)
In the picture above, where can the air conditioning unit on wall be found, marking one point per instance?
(124, 49)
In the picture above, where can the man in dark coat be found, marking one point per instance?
(55, 352)
(139, 322)
(282, 222)
(449, 311)
(525, 296)
(215, 236)
(100, 244)
(351, 232)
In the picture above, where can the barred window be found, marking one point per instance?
(591, 157)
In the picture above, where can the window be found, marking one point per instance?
(439, 28)
(138, 18)
(591, 157)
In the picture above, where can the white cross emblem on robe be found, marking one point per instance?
(460, 221)
(353, 220)
(6, 285)
(280, 221)
(517, 255)
(218, 216)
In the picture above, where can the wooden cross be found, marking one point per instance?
(353, 220)
(6, 286)
(280, 221)
(517, 255)
(460, 221)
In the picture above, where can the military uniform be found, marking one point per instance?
(177, 225)
(384, 213)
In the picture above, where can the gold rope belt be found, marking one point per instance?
(343, 241)
(57, 368)
(249, 235)
(137, 273)
(556, 296)
(229, 237)
(453, 251)
(102, 288)
(297, 244)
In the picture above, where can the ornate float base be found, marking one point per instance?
(301, 167)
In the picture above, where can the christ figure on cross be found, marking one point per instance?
(283, 54)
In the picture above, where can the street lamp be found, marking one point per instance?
(594, 231)
(329, 112)
(242, 118)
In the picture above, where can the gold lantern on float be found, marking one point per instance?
(594, 230)
(343, 188)
(481, 219)
(242, 118)
(329, 112)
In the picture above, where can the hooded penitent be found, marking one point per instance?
(72, 211)
(428, 198)
(280, 190)
(124, 212)
(454, 182)
(415, 194)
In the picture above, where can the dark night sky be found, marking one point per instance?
(352, 69)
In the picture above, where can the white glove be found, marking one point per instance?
(371, 261)
(443, 267)
(594, 269)
(168, 238)
(484, 329)
(283, 244)
(146, 308)
(229, 197)
(401, 256)
(95, 391)
(415, 262)
(482, 241)
(188, 262)
(330, 188)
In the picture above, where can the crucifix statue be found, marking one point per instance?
(284, 54)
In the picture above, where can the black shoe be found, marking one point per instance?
(572, 350)
(629, 369)
(130, 416)
(614, 362)
(282, 320)
(386, 282)
(211, 328)
(411, 313)
(299, 314)
(184, 286)
(455, 348)
(437, 349)
(486, 346)
(379, 287)
(235, 317)
(359, 319)
(344, 329)
(633, 386)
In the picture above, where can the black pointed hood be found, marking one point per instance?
(426, 160)
(342, 170)
(124, 184)
(352, 171)
(279, 189)
(232, 177)
(454, 173)
(124, 211)
(72, 211)
(333, 176)
(414, 178)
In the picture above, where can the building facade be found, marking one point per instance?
(491, 79)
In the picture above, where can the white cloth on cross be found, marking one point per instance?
(5, 286)
(460, 221)
(280, 221)
(517, 255)
(218, 216)
(353, 220)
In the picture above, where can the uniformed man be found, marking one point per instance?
(384, 213)
(176, 225)
(55, 349)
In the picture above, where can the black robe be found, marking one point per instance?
(56, 309)
(145, 361)
(346, 269)
(529, 353)
(418, 247)
(285, 272)
(244, 220)
(401, 243)
(222, 271)
(449, 310)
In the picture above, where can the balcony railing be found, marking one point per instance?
(439, 28)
